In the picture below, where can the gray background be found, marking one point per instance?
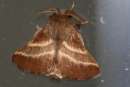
(106, 36)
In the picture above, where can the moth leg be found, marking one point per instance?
(73, 5)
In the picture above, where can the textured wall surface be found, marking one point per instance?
(106, 36)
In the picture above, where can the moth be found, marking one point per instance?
(57, 49)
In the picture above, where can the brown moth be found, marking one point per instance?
(57, 49)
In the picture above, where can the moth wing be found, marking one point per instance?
(75, 61)
(37, 55)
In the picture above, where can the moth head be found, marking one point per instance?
(70, 13)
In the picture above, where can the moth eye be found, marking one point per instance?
(69, 16)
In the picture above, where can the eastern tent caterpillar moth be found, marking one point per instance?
(57, 49)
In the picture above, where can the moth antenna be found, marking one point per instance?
(79, 18)
(50, 10)
(73, 5)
